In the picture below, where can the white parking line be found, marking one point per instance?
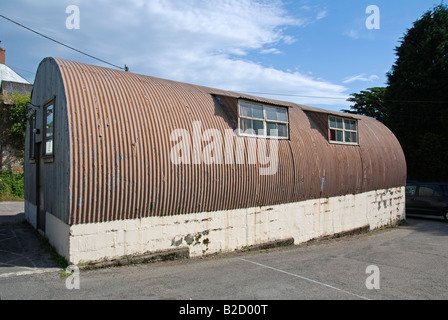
(304, 278)
(28, 272)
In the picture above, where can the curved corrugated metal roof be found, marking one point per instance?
(119, 131)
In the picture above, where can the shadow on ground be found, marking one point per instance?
(436, 225)
(21, 250)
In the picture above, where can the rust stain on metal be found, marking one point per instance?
(120, 126)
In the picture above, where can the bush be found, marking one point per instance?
(11, 186)
(16, 108)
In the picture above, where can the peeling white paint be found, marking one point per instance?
(213, 232)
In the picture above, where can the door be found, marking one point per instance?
(40, 188)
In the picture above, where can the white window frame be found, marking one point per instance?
(344, 130)
(265, 121)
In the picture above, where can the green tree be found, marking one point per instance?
(370, 103)
(14, 109)
(15, 106)
(417, 96)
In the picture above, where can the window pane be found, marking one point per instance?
(282, 115)
(332, 135)
(348, 124)
(271, 114)
(245, 110)
(49, 114)
(257, 111)
(339, 124)
(332, 122)
(445, 190)
(437, 191)
(49, 133)
(348, 137)
(283, 130)
(272, 129)
(351, 137)
(49, 147)
(430, 191)
(259, 128)
(49, 123)
(49, 126)
(425, 192)
(340, 136)
(410, 190)
(245, 125)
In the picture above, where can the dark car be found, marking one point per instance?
(427, 198)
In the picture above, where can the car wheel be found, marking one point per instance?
(445, 215)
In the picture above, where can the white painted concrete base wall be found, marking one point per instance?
(31, 213)
(206, 233)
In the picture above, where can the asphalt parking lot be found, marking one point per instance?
(21, 252)
(404, 263)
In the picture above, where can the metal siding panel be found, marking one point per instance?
(48, 85)
(120, 126)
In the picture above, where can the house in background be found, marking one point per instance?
(10, 83)
(103, 178)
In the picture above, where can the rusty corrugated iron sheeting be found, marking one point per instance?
(120, 126)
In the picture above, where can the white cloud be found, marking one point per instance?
(356, 34)
(209, 43)
(322, 14)
(225, 24)
(361, 77)
(205, 42)
(270, 51)
(352, 33)
(356, 29)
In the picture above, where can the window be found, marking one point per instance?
(32, 127)
(430, 191)
(263, 121)
(410, 190)
(343, 130)
(445, 190)
(49, 130)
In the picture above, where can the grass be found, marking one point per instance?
(12, 186)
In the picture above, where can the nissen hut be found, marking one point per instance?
(119, 164)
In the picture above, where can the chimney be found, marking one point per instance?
(2, 55)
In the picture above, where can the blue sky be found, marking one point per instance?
(311, 52)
